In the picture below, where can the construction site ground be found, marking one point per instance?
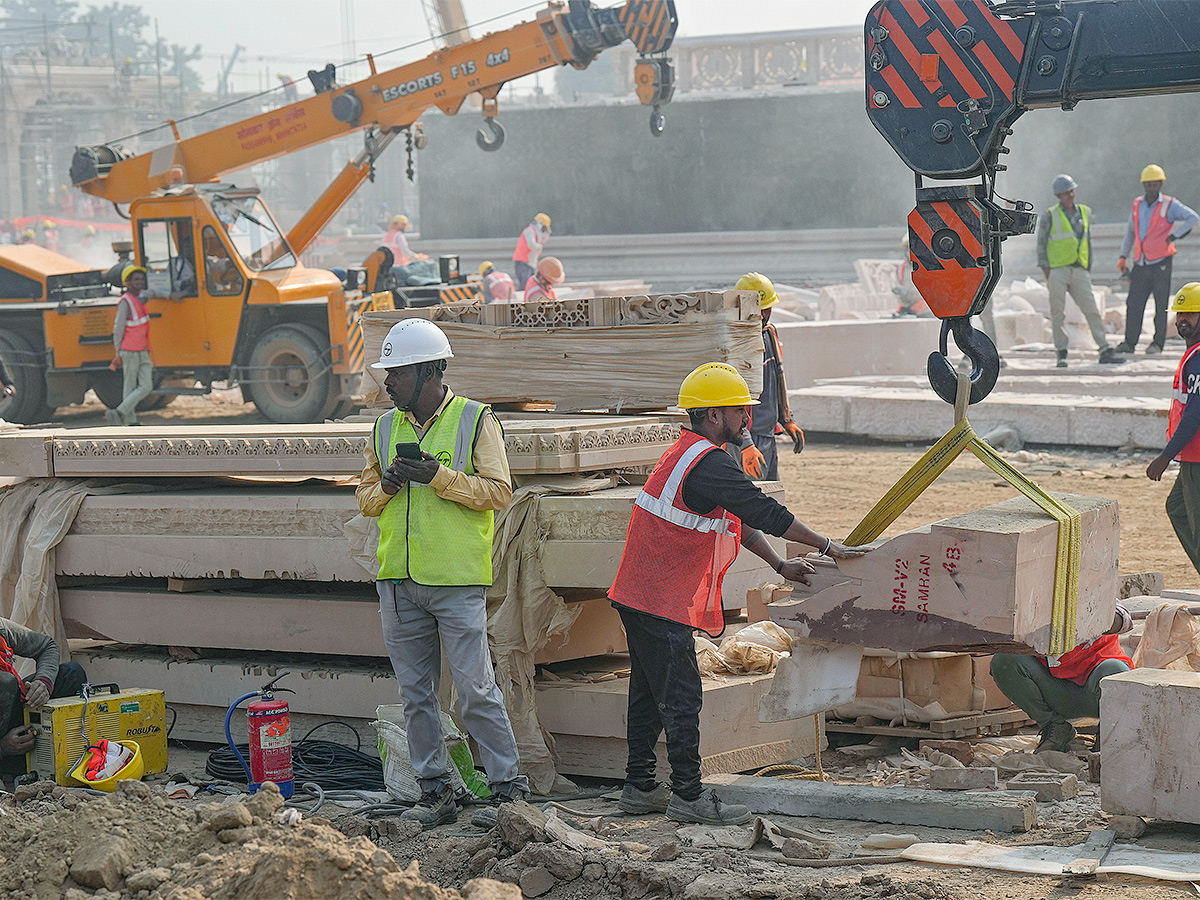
(831, 485)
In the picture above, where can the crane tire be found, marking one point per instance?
(27, 369)
(290, 381)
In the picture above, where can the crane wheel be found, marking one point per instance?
(27, 369)
(290, 380)
(110, 389)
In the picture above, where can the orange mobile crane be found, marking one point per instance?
(242, 307)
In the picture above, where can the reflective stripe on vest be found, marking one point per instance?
(1069, 248)
(498, 286)
(675, 559)
(421, 535)
(1155, 245)
(137, 327)
(1179, 399)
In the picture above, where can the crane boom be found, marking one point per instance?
(571, 33)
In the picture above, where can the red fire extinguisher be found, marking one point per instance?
(269, 725)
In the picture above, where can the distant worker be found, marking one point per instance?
(436, 472)
(1053, 690)
(911, 301)
(1064, 249)
(496, 285)
(131, 337)
(182, 269)
(49, 235)
(549, 275)
(688, 521)
(1183, 428)
(760, 457)
(28, 236)
(1155, 223)
(51, 679)
(529, 248)
(395, 241)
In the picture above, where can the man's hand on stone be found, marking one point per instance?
(36, 694)
(18, 742)
(419, 470)
(797, 569)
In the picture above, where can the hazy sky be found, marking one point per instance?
(291, 36)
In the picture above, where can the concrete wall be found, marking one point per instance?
(805, 160)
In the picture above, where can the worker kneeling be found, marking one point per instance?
(1054, 689)
(684, 534)
(436, 472)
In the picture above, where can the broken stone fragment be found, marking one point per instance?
(521, 823)
(228, 815)
(101, 862)
(536, 881)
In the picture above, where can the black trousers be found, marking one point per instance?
(69, 680)
(1144, 280)
(664, 694)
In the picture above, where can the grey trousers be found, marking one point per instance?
(414, 616)
(139, 382)
(1076, 280)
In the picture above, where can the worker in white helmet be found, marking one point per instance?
(436, 473)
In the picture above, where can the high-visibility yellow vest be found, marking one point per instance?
(422, 536)
(1067, 249)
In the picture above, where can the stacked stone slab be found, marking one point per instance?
(615, 353)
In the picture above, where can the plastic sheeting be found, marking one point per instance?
(1125, 859)
(1171, 640)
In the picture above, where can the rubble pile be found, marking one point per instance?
(136, 844)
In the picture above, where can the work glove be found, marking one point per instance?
(753, 461)
(1121, 265)
(797, 436)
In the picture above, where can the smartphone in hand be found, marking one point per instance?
(408, 451)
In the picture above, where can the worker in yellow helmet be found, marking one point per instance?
(696, 509)
(529, 248)
(496, 285)
(1183, 428)
(760, 459)
(395, 241)
(1155, 223)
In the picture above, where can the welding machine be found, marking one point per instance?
(68, 725)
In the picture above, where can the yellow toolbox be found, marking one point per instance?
(134, 714)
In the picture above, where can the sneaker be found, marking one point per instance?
(1056, 736)
(637, 802)
(1154, 350)
(1062, 359)
(1110, 357)
(114, 417)
(1123, 347)
(707, 809)
(437, 807)
(488, 817)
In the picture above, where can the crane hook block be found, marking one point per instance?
(496, 141)
(980, 352)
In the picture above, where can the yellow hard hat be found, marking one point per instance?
(1153, 173)
(129, 270)
(29, 233)
(1188, 298)
(47, 224)
(714, 384)
(543, 218)
(753, 281)
(484, 266)
(400, 220)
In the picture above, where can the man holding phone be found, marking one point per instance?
(436, 473)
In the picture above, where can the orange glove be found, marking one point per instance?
(1121, 267)
(115, 364)
(752, 461)
(797, 436)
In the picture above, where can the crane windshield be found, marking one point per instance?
(253, 233)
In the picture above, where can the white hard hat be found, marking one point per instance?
(410, 342)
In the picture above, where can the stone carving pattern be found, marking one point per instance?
(841, 58)
(782, 63)
(554, 314)
(664, 309)
(149, 448)
(464, 313)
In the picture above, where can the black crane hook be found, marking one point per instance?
(496, 141)
(978, 348)
(658, 121)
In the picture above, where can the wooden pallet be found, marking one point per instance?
(1003, 721)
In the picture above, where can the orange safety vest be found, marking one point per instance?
(137, 326)
(395, 241)
(524, 251)
(535, 290)
(6, 665)
(675, 559)
(1155, 245)
(1077, 664)
(1179, 399)
(498, 286)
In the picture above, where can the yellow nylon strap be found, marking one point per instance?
(1064, 610)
